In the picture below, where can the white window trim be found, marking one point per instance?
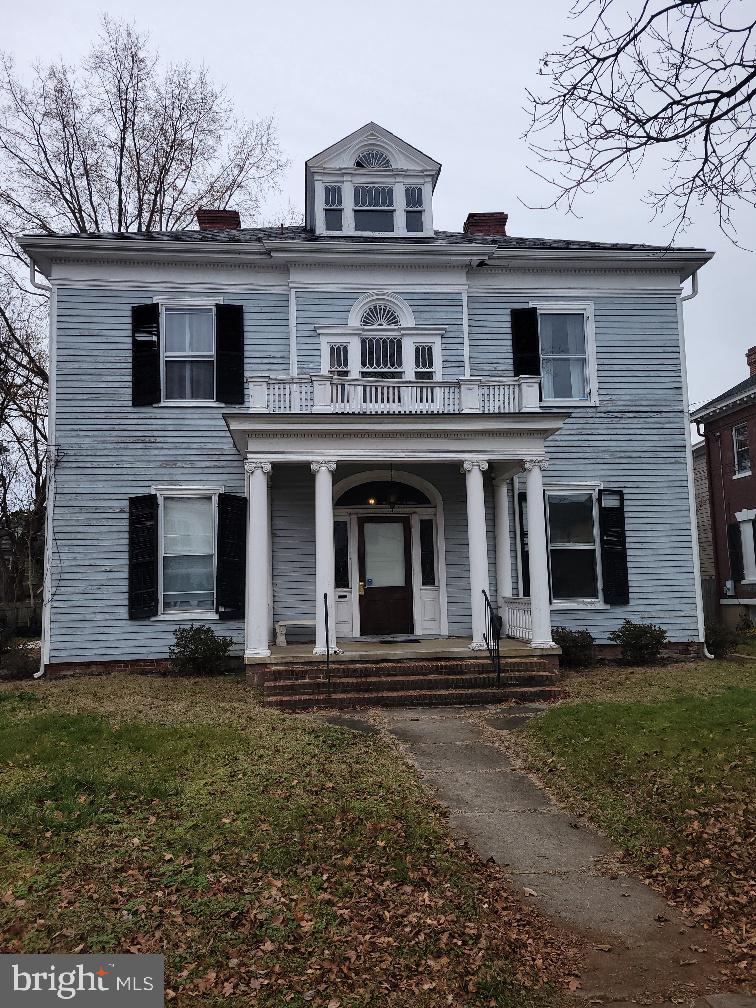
(410, 335)
(736, 473)
(179, 303)
(550, 486)
(584, 308)
(203, 615)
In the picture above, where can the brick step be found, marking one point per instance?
(415, 698)
(408, 683)
(410, 666)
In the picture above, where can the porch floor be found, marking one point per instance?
(371, 651)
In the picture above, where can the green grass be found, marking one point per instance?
(663, 760)
(275, 860)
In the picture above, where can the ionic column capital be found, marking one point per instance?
(469, 464)
(323, 464)
(531, 463)
(250, 465)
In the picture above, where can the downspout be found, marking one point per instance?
(691, 491)
(35, 283)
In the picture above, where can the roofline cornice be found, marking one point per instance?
(709, 411)
(43, 249)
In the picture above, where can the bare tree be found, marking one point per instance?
(674, 76)
(119, 143)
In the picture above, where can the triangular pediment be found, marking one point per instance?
(344, 152)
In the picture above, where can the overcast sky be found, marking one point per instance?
(447, 77)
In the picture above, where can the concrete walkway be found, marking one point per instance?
(639, 949)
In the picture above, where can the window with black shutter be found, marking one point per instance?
(231, 562)
(526, 354)
(735, 551)
(145, 355)
(614, 572)
(143, 556)
(229, 353)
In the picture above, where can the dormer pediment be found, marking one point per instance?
(370, 182)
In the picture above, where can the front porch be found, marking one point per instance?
(402, 527)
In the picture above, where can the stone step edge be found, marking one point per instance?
(409, 698)
(393, 683)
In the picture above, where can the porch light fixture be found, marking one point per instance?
(372, 500)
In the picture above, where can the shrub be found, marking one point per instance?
(745, 628)
(720, 639)
(577, 647)
(199, 651)
(641, 643)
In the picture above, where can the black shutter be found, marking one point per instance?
(143, 556)
(613, 547)
(524, 558)
(229, 354)
(526, 352)
(735, 551)
(232, 556)
(145, 354)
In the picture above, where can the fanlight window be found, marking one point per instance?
(372, 158)
(379, 315)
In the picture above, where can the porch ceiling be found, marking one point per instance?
(427, 437)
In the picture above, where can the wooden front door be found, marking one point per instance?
(385, 563)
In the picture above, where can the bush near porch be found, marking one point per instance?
(663, 759)
(275, 860)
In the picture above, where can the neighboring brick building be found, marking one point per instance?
(728, 425)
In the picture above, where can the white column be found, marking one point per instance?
(503, 545)
(538, 562)
(477, 547)
(258, 550)
(324, 556)
(745, 521)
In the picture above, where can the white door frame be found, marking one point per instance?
(415, 512)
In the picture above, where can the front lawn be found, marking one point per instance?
(275, 860)
(663, 759)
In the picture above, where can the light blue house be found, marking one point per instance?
(366, 418)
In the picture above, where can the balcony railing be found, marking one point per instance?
(325, 394)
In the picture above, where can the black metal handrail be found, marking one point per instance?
(327, 641)
(492, 635)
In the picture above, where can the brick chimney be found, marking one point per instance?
(486, 223)
(218, 220)
(751, 360)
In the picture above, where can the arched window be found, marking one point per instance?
(372, 158)
(379, 314)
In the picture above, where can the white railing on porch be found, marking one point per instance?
(325, 394)
(518, 618)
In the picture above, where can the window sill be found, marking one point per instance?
(740, 475)
(183, 617)
(568, 403)
(577, 604)
(190, 402)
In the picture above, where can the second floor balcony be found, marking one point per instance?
(328, 394)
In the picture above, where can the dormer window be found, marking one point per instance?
(372, 158)
(373, 208)
(413, 201)
(333, 207)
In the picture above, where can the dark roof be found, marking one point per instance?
(272, 234)
(730, 397)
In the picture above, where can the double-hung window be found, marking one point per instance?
(189, 354)
(741, 450)
(572, 537)
(413, 202)
(333, 207)
(187, 561)
(374, 208)
(564, 357)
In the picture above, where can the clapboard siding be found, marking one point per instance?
(635, 440)
(110, 451)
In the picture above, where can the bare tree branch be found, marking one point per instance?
(675, 77)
